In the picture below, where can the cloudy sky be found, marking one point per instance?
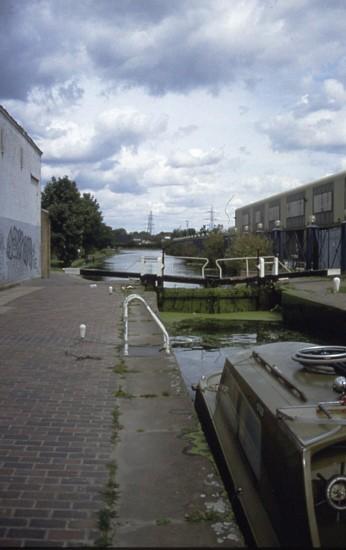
(184, 108)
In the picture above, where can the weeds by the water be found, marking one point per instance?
(197, 516)
(197, 444)
(93, 260)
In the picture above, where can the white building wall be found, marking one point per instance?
(20, 203)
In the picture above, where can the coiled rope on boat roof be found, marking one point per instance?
(322, 359)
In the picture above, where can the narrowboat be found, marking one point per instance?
(276, 415)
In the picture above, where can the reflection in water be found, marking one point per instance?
(131, 260)
(204, 354)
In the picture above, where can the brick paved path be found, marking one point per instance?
(56, 410)
(73, 473)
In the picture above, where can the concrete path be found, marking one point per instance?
(318, 290)
(96, 448)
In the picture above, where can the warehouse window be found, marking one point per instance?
(246, 219)
(274, 213)
(295, 208)
(323, 202)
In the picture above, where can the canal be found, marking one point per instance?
(200, 353)
(253, 451)
(131, 260)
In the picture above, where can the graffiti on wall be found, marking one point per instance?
(2, 250)
(20, 247)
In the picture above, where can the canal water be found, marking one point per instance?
(131, 260)
(201, 353)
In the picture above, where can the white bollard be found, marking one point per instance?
(261, 267)
(82, 330)
(336, 284)
(110, 290)
(159, 266)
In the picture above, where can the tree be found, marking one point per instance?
(121, 237)
(105, 237)
(248, 245)
(182, 248)
(214, 246)
(92, 223)
(62, 200)
(76, 221)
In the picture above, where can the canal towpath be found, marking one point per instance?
(319, 290)
(97, 448)
(311, 304)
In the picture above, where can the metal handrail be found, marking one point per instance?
(284, 266)
(129, 299)
(270, 260)
(244, 258)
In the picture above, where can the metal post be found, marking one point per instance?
(160, 267)
(165, 335)
(126, 325)
(275, 270)
(142, 265)
(312, 255)
(162, 261)
(343, 246)
(277, 241)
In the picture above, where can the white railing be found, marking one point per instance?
(273, 261)
(129, 299)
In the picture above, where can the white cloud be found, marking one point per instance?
(317, 130)
(91, 141)
(195, 157)
(335, 91)
(177, 106)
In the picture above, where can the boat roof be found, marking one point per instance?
(285, 387)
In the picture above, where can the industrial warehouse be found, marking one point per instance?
(307, 224)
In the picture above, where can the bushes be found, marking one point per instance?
(247, 244)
